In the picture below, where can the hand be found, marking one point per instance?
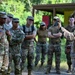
(1, 33)
(60, 34)
(59, 25)
(8, 33)
(74, 32)
(57, 34)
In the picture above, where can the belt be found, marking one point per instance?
(55, 42)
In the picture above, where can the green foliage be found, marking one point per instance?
(23, 8)
(15, 8)
(63, 43)
(38, 19)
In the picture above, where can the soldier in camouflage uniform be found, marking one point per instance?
(28, 44)
(68, 44)
(73, 48)
(4, 45)
(17, 36)
(42, 44)
(73, 53)
(8, 24)
(54, 46)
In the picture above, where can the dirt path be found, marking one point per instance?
(41, 71)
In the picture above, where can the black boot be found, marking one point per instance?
(69, 69)
(29, 72)
(58, 71)
(47, 71)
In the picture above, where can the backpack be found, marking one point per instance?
(24, 27)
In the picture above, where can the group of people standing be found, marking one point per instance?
(17, 44)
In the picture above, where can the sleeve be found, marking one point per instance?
(68, 35)
(49, 31)
(6, 44)
(21, 36)
(35, 31)
(17, 37)
(6, 47)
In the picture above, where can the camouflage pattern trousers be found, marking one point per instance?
(4, 62)
(68, 59)
(41, 51)
(73, 58)
(28, 53)
(68, 55)
(14, 54)
(54, 48)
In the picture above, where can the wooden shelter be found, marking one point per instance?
(64, 9)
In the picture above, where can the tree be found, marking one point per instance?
(13, 7)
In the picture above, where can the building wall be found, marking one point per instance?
(66, 16)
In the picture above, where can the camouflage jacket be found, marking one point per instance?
(54, 30)
(17, 36)
(4, 45)
(70, 29)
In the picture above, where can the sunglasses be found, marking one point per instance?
(16, 22)
(30, 19)
(42, 25)
(4, 18)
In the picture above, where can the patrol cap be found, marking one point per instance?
(55, 17)
(15, 20)
(30, 18)
(1, 12)
(3, 15)
(42, 24)
(10, 15)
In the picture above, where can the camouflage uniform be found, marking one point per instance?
(17, 36)
(8, 24)
(54, 47)
(68, 49)
(28, 44)
(4, 46)
(73, 57)
(41, 46)
(28, 49)
(73, 53)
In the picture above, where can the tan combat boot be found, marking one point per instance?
(29, 72)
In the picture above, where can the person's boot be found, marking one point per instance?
(18, 74)
(73, 71)
(47, 71)
(9, 71)
(29, 72)
(69, 69)
(57, 71)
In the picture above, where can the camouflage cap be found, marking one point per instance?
(3, 15)
(1, 12)
(30, 18)
(10, 15)
(55, 17)
(15, 20)
(42, 23)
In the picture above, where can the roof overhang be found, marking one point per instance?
(59, 8)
